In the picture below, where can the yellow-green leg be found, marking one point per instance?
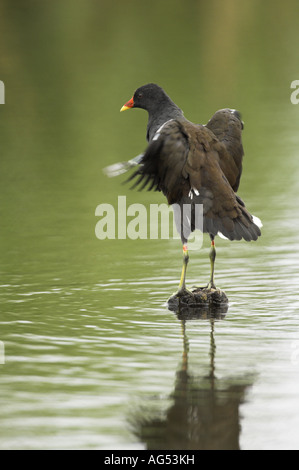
(212, 256)
(182, 286)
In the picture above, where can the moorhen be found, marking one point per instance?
(194, 164)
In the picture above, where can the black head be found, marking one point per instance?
(149, 97)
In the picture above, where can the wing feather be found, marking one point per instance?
(227, 126)
(186, 162)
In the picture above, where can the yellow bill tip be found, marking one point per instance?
(128, 105)
(124, 108)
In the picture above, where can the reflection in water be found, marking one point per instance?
(204, 413)
(187, 312)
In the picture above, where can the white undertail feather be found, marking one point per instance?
(257, 221)
(222, 236)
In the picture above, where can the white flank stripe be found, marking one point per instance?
(157, 134)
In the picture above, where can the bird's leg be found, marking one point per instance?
(182, 286)
(212, 256)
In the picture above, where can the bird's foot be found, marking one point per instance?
(195, 287)
(182, 291)
(211, 286)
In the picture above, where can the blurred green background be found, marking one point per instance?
(84, 321)
(68, 68)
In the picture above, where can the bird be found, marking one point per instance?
(194, 164)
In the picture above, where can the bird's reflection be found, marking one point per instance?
(202, 312)
(204, 413)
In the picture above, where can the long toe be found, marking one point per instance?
(183, 291)
(211, 285)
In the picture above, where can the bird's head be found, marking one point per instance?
(148, 97)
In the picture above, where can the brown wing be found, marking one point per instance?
(227, 126)
(163, 163)
(184, 163)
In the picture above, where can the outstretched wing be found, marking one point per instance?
(227, 126)
(162, 165)
(119, 168)
(184, 161)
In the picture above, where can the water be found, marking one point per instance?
(93, 358)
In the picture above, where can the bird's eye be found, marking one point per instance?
(140, 95)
